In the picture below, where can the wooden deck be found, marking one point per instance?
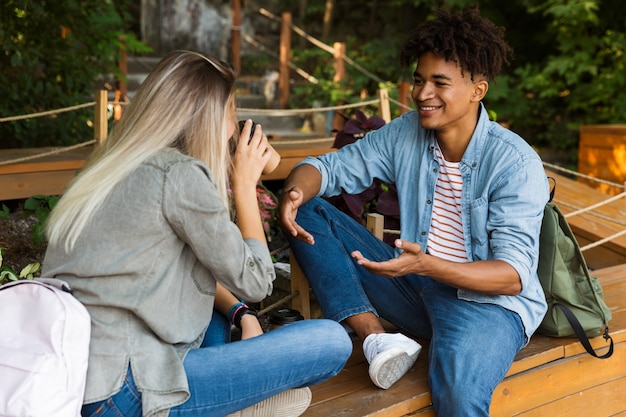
(593, 226)
(50, 174)
(550, 377)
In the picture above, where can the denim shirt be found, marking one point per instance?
(504, 193)
(146, 268)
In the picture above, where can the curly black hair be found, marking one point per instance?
(474, 43)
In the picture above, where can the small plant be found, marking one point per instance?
(4, 213)
(268, 204)
(267, 208)
(40, 206)
(7, 274)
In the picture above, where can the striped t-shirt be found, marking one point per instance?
(445, 238)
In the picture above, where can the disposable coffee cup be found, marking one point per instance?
(283, 317)
(274, 160)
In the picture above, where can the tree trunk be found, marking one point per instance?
(328, 18)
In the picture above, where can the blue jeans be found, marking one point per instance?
(227, 377)
(472, 344)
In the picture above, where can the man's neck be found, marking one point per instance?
(453, 141)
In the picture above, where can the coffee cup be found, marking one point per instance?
(274, 160)
(283, 317)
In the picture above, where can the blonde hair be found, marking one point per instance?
(186, 102)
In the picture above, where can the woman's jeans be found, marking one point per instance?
(227, 377)
(472, 344)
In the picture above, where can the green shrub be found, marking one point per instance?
(54, 54)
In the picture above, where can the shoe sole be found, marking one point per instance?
(290, 403)
(388, 367)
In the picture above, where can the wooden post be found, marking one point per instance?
(404, 91)
(236, 36)
(299, 285)
(100, 120)
(385, 110)
(376, 224)
(285, 56)
(339, 52)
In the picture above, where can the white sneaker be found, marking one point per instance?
(290, 403)
(390, 356)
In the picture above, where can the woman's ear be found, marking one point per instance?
(480, 90)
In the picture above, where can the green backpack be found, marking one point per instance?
(575, 300)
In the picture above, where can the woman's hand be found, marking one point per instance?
(251, 156)
(250, 327)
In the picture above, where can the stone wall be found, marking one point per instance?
(199, 25)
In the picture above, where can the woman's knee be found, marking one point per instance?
(321, 337)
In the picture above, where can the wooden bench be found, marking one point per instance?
(550, 377)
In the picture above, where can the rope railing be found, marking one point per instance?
(578, 174)
(287, 112)
(47, 113)
(589, 209)
(290, 112)
(52, 152)
(297, 69)
(595, 206)
(322, 46)
(270, 112)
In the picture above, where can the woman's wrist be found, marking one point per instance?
(237, 311)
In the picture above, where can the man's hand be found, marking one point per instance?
(493, 277)
(287, 211)
(409, 261)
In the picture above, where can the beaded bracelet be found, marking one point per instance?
(233, 310)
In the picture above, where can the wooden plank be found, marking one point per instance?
(611, 275)
(50, 174)
(556, 380)
(291, 153)
(603, 400)
(588, 227)
(602, 152)
(365, 399)
(74, 159)
(18, 186)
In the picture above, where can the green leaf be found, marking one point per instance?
(29, 270)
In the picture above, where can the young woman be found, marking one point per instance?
(143, 236)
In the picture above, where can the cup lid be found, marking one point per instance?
(285, 316)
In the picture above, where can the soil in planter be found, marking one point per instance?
(16, 238)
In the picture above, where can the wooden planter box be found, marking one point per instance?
(602, 154)
(49, 175)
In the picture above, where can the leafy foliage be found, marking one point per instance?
(40, 206)
(54, 55)
(7, 274)
(580, 82)
(380, 197)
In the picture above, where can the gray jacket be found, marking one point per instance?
(146, 267)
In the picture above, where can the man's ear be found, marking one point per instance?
(480, 90)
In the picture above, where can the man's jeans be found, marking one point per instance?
(472, 344)
(226, 377)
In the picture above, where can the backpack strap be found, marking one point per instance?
(552, 189)
(580, 333)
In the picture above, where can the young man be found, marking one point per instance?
(471, 193)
